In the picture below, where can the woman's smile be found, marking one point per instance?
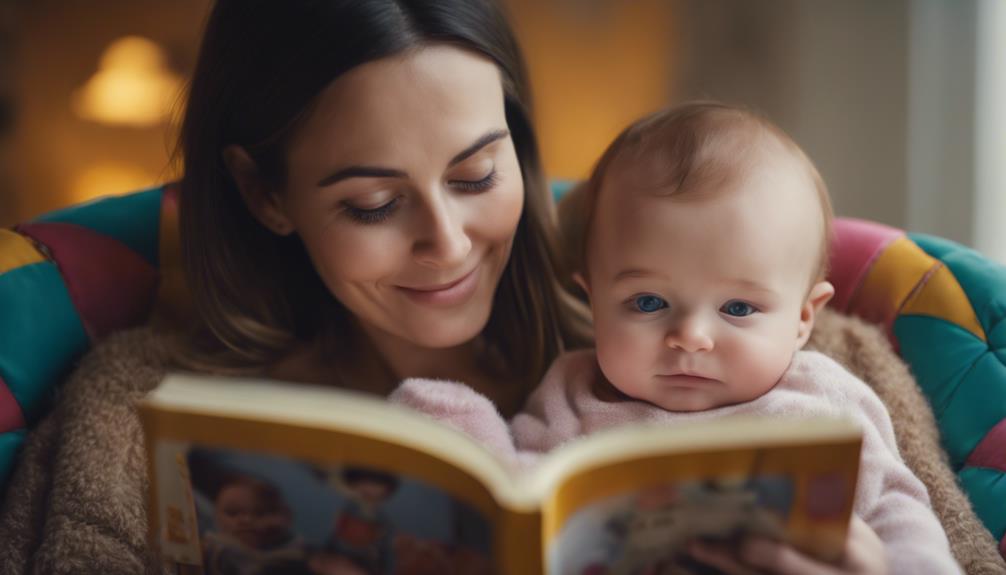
(446, 294)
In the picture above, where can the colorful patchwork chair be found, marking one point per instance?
(70, 277)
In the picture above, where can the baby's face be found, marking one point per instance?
(372, 492)
(700, 302)
(242, 513)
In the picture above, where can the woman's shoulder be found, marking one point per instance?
(125, 363)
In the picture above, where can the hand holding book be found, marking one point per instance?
(864, 555)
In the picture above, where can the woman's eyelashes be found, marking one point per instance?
(480, 185)
(384, 211)
(372, 215)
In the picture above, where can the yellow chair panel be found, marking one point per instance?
(943, 297)
(898, 271)
(16, 251)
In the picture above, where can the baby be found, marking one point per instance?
(254, 527)
(704, 257)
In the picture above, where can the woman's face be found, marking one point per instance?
(405, 188)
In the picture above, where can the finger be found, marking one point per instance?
(862, 532)
(719, 558)
(864, 552)
(781, 559)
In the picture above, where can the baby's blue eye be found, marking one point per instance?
(738, 308)
(649, 303)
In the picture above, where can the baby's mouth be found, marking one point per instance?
(686, 379)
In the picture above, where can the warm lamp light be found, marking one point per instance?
(107, 178)
(132, 87)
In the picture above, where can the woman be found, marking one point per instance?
(385, 156)
(362, 201)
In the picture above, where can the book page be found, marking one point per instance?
(246, 511)
(636, 512)
(344, 484)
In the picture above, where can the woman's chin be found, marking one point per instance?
(446, 329)
(435, 335)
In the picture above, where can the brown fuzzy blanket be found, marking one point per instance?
(864, 351)
(76, 502)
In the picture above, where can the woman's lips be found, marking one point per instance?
(445, 295)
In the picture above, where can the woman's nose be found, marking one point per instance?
(690, 334)
(444, 240)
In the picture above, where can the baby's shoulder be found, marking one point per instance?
(572, 368)
(818, 379)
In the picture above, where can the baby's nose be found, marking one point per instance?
(690, 334)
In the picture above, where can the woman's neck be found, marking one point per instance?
(404, 359)
(377, 362)
(469, 363)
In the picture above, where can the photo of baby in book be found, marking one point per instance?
(253, 528)
(704, 236)
(261, 514)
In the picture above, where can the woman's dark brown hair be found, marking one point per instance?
(260, 68)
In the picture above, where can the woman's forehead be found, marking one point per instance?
(421, 102)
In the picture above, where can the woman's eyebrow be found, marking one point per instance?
(483, 141)
(379, 172)
(360, 172)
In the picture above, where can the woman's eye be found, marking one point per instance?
(738, 308)
(649, 303)
(371, 215)
(476, 185)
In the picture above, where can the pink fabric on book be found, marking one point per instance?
(888, 496)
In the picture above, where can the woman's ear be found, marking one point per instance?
(581, 281)
(819, 295)
(261, 201)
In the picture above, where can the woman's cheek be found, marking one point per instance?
(501, 211)
(357, 253)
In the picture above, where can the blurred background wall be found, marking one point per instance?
(899, 102)
(61, 150)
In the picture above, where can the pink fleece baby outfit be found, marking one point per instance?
(888, 496)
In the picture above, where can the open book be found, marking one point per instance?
(271, 477)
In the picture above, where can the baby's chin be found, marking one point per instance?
(686, 401)
(695, 400)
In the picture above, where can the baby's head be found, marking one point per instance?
(704, 256)
(371, 486)
(252, 511)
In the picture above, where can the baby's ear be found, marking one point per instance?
(818, 297)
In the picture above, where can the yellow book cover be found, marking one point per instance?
(260, 477)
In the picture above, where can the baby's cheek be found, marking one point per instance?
(759, 364)
(624, 353)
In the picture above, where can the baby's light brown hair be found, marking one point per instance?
(701, 148)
